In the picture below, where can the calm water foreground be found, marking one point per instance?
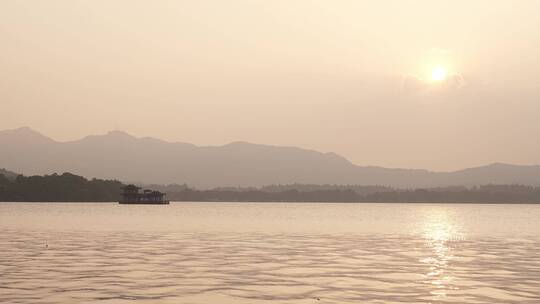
(269, 253)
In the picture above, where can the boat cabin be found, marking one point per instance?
(131, 195)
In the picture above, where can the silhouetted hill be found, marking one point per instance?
(66, 187)
(118, 155)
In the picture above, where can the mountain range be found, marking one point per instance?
(118, 155)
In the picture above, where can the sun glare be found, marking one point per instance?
(438, 73)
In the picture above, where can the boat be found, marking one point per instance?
(131, 195)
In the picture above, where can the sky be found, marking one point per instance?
(440, 85)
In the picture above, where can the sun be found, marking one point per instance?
(438, 73)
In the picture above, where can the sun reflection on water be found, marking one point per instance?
(439, 230)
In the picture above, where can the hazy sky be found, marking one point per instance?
(427, 84)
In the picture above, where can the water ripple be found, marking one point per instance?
(182, 267)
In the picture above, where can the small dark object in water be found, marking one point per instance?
(131, 195)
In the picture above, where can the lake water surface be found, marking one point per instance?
(269, 253)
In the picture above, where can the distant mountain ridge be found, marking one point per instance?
(118, 155)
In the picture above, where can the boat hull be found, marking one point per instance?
(145, 203)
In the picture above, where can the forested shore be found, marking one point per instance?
(68, 187)
(65, 187)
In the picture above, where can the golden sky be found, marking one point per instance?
(426, 84)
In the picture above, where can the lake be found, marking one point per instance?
(269, 253)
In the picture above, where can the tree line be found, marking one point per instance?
(68, 187)
(477, 194)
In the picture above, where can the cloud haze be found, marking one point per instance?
(346, 76)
